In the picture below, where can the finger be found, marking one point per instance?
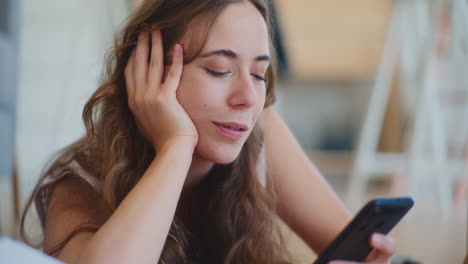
(130, 79)
(173, 77)
(156, 66)
(376, 257)
(384, 245)
(141, 63)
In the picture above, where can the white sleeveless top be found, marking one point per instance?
(44, 193)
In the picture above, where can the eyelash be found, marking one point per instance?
(215, 73)
(221, 74)
(260, 78)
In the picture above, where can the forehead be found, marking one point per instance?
(241, 28)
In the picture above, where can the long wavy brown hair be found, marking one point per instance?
(240, 225)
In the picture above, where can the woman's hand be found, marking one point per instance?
(384, 247)
(159, 116)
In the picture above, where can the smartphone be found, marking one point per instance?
(379, 215)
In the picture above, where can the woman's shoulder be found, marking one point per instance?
(70, 182)
(74, 208)
(73, 169)
(71, 193)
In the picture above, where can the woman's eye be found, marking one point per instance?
(216, 74)
(258, 77)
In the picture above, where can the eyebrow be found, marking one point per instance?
(232, 55)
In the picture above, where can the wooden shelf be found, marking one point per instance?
(334, 40)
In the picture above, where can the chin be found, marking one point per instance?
(218, 153)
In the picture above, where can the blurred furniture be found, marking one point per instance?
(427, 40)
(9, 28)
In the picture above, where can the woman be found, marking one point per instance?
(170, 168)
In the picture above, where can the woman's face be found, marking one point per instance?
(223, 89)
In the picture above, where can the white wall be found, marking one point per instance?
(9, 12)
(61, 54)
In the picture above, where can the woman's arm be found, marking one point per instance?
(306, 202)
(137, 230)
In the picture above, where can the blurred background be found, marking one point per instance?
(376, 92)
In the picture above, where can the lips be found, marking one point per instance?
(231, 130)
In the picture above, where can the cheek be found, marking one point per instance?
(188, 92)
(197, 94)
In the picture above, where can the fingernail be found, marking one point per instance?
(377, 239)
(177, 50)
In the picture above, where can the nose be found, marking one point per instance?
(244, 93)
